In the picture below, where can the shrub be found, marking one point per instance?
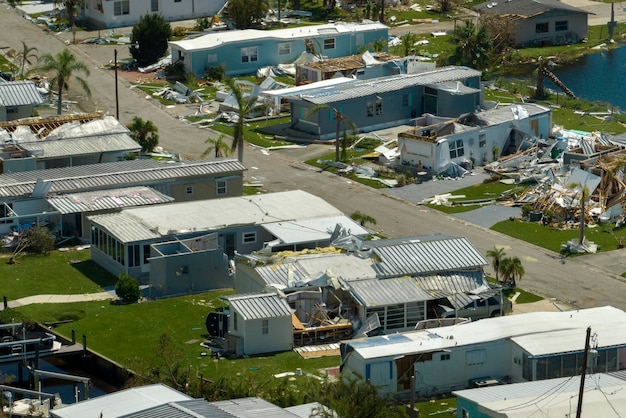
(401, 179)
(39, 240)
(214, 73)
(127, 288)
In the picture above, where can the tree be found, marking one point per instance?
(246, 104)
(512, 270)
(381, 15)
(501, 32)
(144, 132)
(340, 120)
(127, 288)
(26, 56)
(408, 43)
(148, 39)
(362, 218)
(71, 9)
(472, 45)
(496, 255)
(64, 65)
(36, 240)
(379, 45)
(244, 13)
(221, 148)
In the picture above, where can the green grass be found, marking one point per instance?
(40, 274)
(134, 343)
(552, 238)
(439, 407)
(490, 190)
(252, 132)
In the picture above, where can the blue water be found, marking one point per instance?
(598, 76)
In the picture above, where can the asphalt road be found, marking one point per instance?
(582, 282)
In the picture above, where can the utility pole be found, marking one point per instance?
(612, 23)
(117, 101)
(579, 409)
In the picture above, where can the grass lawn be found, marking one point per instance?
(490, 190)
(252, 134)
(130, 334)
(552, 238)
(60, 272)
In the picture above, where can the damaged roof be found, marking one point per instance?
(107, 199)
(525, 8)
(120, 142)
(42, 126)
(347, 63)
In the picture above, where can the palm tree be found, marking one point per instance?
(408, 43)
(472, 45)
(340, 119)
(26, 56)
(221, 148)
(144, 132)
(362, 218)
(496, 254)
(512, 270)
(64, 64)
(71, 7)
(246, 104)
(583, 196)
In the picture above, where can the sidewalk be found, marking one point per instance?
(85, 297)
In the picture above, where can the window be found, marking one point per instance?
(154, 5)
(474, 357)
(250, 54)
(407, 100)
(444, 357)
(11, 109)
(146, 253)
(177, 1)
(284, 48)
(133, 256)
(374, 107)
(329, 43)
(121, 8)
(189, 190)
(560, 26)
(541, 27)
(482, 140)
(456, 149)
(248, 237)
(220, 187)
(265, 327)
(235, 320)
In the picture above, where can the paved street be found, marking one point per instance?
(583, 282)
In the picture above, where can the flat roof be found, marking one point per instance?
(311, 230)
(122, 403)
(216, 39)
(537, 333)
(145, 223)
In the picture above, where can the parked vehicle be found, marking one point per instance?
(478, 308)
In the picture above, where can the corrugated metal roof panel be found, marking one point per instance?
(452, 283)
(196, 408)
(132, 172)
(126, 227)
(80, 146)
(423, 256)
(19, 93)
(107, 199)
(382, 292)
(259, 305)
(253, 408)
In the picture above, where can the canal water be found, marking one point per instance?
(599, 76)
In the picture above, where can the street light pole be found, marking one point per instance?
(117, 102)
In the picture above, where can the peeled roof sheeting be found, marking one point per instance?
(451, 283)
(81, 146)
(93, 176)
(417, 257)
(107, 199)
(259, 306)
(19, 93)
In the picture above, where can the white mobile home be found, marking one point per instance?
(515, 348)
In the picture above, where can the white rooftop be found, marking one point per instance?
(215, 39)
(121, 403)
(538, 333)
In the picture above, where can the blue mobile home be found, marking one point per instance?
(385, 102)
(245, 51)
